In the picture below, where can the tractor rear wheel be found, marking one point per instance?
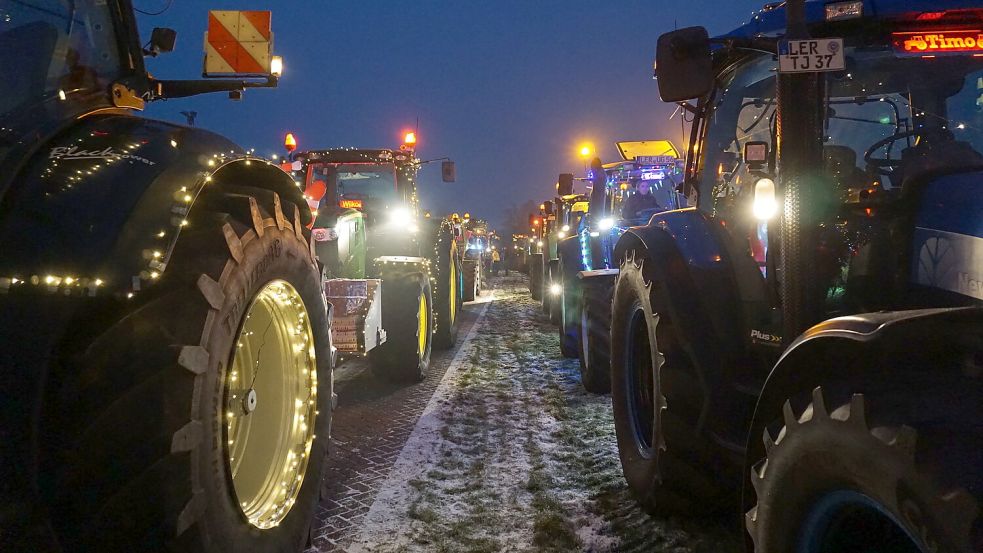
(408, 318)
(199, 421)
(471, 284)
(448, 291)
(593, 346)
(849, 474)
(663, 458)
(536, 276)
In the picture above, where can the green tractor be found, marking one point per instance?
(393, 274)
(166, 380)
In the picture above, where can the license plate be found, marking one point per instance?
(811, 55)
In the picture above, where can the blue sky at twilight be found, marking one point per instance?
(508, 89)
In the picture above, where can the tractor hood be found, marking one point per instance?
(100, 204)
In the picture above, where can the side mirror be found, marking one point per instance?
(683, 65)
(162, 40)
(448, 171)
(564, 185)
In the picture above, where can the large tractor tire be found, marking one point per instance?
(555, 309)
(407, 315)
(536, 276)
(875, 473)
(546, 296)
(594, 345)
(472, 284)
(199, 421)
(568, 325)
(664, 459)
(448, 292)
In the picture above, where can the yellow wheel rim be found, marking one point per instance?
(270, 405)
(453, 287)
(422, 327)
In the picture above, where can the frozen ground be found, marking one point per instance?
(511, 454)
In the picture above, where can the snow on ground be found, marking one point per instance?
(511, 454)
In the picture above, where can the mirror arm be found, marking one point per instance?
(432, 160)
(688, 107)
(184, 88)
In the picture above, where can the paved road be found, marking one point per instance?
(371, 424)
(500, 449)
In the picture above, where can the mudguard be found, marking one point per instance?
(99, 208)
(891, 349)
(697, 268)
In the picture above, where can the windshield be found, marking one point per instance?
(888, 121)
(54, 49)
(364, 185)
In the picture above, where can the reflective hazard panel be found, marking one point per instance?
(238, 42)
(810, 55)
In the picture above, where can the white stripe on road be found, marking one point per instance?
(381, 526)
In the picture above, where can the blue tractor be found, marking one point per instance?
(808, 339)
(623, 193)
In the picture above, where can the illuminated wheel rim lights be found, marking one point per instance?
(270, 405)
(421, 327)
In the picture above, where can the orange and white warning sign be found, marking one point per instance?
(238, 42)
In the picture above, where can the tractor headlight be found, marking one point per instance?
(765, 205)
(561, 234)
(606, 223)
(540, 243)
(400, 217)
(556, 289)
(566, 228)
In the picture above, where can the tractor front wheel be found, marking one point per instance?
(870, 473)
(408, 318)
(199, 421)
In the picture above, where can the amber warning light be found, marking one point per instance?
(289, 142)
(350, 204)
(932, 43)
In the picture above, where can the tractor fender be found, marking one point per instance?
(100, 206)
(697, 271)
(570, 255)
(914, 351)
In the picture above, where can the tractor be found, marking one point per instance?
(807, 341)
(167, 369)
(393, 275)
(474, 244)
(567, 210)
(584, 317)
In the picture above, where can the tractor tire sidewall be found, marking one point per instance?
(151, 468)
(569, 322)
(536, 276)
(836, 452)
(446, 256)
(594, 364)
(546, 295)
(555, 308)
(223, 522)
(471, 283)
(640, 464)
(398, 358)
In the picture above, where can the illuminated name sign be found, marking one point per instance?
(351, 204)
(940, 42)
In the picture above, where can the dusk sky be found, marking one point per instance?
(508, 89)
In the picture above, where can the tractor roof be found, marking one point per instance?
(356, 155)
(770, 20)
